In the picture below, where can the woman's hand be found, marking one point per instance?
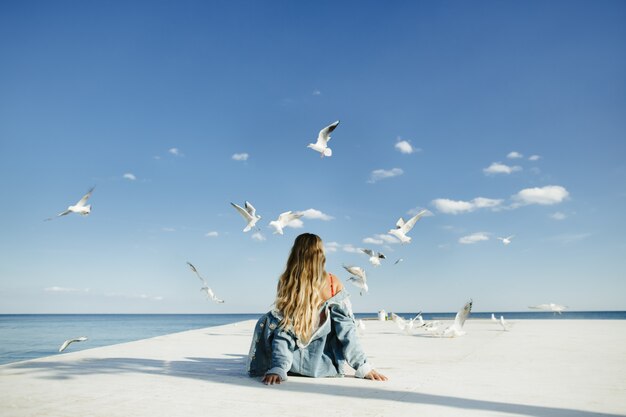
(271, 379)
(375, 376)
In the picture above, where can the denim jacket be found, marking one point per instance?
(275, 350)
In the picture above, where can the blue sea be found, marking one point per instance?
(30, 336)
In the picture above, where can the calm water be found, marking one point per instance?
(30, 336)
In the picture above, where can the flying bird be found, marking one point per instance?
(205, 288)
(69, 341)
(402, 227)
(456, 329)
(406, 325)
(248, 214)
(78, 208)
(375, 257)
(323, 137)
(506, 240)
(358, 278)
(283, 220)
(556, 308)
(398, 261)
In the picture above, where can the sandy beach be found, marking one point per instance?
(538, 368)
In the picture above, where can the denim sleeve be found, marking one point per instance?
(345, 328)
(283, 346)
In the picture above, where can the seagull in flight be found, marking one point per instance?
(456, 329)
(248, 214)
(358, 277)
(406, 325)
(506, 240)
(375, 257)
(209, 292)
(79, 208)
(402, 227)
(323, 137)
(68, 341)
(557, 308)
(283, 220)
(398, 261)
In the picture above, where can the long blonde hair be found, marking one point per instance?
(299, 292)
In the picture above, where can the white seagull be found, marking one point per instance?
(506, 240)
(209, 292)
(68, 341)
(406, 325)
(78, 208)
(398, 261)
(402, 227)
(456, 329)
(249, 215)
(504, 324)
(359, 278)
(323, 137)
(283, 220)
(375, 257)
(557, 308)
(493, 318)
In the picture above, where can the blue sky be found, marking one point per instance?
(501, 118)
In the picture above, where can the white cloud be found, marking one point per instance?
(331, 246)
(498, 168)
(534, 157)
(514, 155)
(211, 234)
(258, 237)
(349, 248)
(372, 241)
(380, 174)
(335, 246)
(548, 195)
(129, 176)
(315, 215)
(168, 229)
(570, 238)
(404, 146)
(473, 238)
(448, 206)
(65, 289)
(240, 156)
(317, 93)
(558, 216)
(175, 151)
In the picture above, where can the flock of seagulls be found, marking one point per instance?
(358, 275)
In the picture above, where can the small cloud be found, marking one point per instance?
(405, 147)
(372, 241)
(335, 246)
(211, 234)
(350, 249)
(240, 156)
(168, 229)
(498, 168)
(535, 170)
(315, 215)
(296, 224)
(547, 196)
(534, 157)
(448, 206)
(331, 247)
(157, 157)
(473, 238)
(514, 155)
(317, 93)
(129, 176)
(258, 237)
(380, 174)
(65, 289)
(558, 216)
(570, 238)
(175, 151)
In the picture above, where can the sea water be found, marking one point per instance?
(30, 336)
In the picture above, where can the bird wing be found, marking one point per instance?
(399, 223)
(324, 136)
(510, 237)
(381, 256)
(64, 213)
(462, 315)
(250, 209)
(83, 200)
(193, 268)
(411, 222)
(369, 252)
(288, 216)
(64, 345)
(243, 212)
